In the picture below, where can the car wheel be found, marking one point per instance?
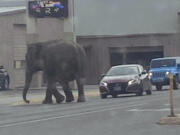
(5, 84)
(175, 83)
(114, 95)
(103, 96)
(140, 92)
(158, 87)
(148, 92)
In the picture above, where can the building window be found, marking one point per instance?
(19, 64)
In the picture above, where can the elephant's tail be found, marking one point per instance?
(26, 87)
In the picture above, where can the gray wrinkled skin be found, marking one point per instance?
(61, 61)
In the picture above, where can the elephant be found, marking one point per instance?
(61, 61)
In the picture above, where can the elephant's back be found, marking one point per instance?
(61, 59)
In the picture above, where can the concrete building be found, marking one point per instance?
(112, 32)
(125, 31)
(13, 43)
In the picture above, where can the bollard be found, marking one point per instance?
(171, 96)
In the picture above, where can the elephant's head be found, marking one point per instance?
(34, 63)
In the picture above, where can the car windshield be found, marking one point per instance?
(116, 71)
(163, 63)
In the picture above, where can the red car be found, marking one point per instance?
(124, 79)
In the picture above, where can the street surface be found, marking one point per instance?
(125, 115)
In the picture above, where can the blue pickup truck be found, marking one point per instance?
(160, 68)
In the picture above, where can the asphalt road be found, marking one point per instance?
(125, 115)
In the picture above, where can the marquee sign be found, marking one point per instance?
(48, 8)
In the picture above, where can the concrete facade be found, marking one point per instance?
(125, 31)
(13, 45)
(125, 17)
(129, 49)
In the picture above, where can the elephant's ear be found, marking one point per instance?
(38, 50)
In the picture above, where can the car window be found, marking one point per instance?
(163, 63)
(116, 71)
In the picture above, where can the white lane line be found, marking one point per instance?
(67, 116)
(77, 114)
(151, 110)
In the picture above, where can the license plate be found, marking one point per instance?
(117, 88)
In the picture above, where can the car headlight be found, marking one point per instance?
(103, 84)
(167, 73)
(150, 75)
(133, 81)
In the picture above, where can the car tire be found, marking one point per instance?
(140, 92)
(158, 87)
(114, 95)
(5, 85)
(148, 92)
(103, 96)
(175, 83)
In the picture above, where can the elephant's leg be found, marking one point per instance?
(59, 97)
(52, 88)
(80, 85)
(68, 92)
(48, 97)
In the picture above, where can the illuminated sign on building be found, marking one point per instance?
(48, 8)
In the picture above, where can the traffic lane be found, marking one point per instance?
(99, 122)
(111, 120)
(21, 112)
(92, 102)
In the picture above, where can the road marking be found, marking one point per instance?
(115, 107)
(67, 115)
(151, 110)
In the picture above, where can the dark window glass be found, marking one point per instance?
(163, 63)
(116, 71)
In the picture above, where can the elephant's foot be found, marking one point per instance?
(81, 98)
(47, 101)
(59, 99)
(69, 97)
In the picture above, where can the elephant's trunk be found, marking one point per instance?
(26, 87)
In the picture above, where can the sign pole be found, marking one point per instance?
(171, 96)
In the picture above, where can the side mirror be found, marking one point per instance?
(102, 75)
(144, 72)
